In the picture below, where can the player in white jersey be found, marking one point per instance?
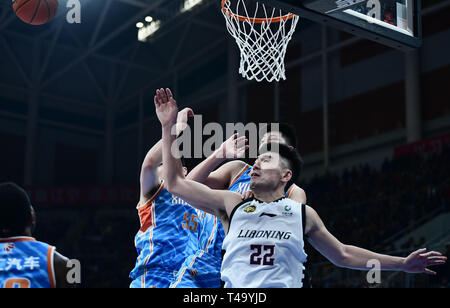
(260, 253)
(265, 236)
(235, 175)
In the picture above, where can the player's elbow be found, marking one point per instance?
(341, 256)
(172, 184)
(150, 163)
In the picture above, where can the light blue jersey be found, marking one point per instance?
(202, 270)
(26, 263)
(241, 183)
(168, 235)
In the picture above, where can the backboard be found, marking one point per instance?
(395, 23)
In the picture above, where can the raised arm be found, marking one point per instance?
(149, 176)
(217, 202)
(357, 258)
(221, 178)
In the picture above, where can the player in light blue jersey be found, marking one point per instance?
(25, 262)
(169, 226)
(202, 268)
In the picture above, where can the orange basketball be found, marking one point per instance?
(35, 12)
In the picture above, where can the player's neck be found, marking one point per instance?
(28, 232)
(268, 195)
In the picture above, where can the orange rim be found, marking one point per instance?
(255, 20)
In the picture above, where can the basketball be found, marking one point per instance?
(35, 12)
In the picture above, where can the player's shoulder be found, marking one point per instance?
(42, 245)
(291, 204)
(235, 170)
(23, 241)
(233, 200)
(242, 203)
(297, 194)
(298, 188)
(158, 191)
(62, 266)
(59, 259)
(234, 166)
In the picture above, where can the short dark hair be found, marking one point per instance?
(290, 154)
(15, 210)
(287, 130)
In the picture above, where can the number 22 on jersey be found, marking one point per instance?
(255, 258)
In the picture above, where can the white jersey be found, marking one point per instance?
(264, 245)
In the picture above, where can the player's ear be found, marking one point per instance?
(286, 176)
(185, 171)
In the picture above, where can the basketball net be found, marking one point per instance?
(262, 41)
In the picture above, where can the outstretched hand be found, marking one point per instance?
(234, 147)
(166, 107)
(419, 260)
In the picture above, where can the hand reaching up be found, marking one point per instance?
(166, 107)
(233, 147)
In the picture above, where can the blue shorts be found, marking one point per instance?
(154, 278)
(201, 270)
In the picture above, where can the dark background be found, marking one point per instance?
(77, 117)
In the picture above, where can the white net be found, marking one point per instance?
(262, 40)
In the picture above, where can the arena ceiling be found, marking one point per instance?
(100, 61)
(99, 65)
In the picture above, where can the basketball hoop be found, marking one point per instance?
(262, 41)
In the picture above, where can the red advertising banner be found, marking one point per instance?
(431, 145)
(80, 196)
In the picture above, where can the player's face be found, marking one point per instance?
(273, 136)
(267, 171)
